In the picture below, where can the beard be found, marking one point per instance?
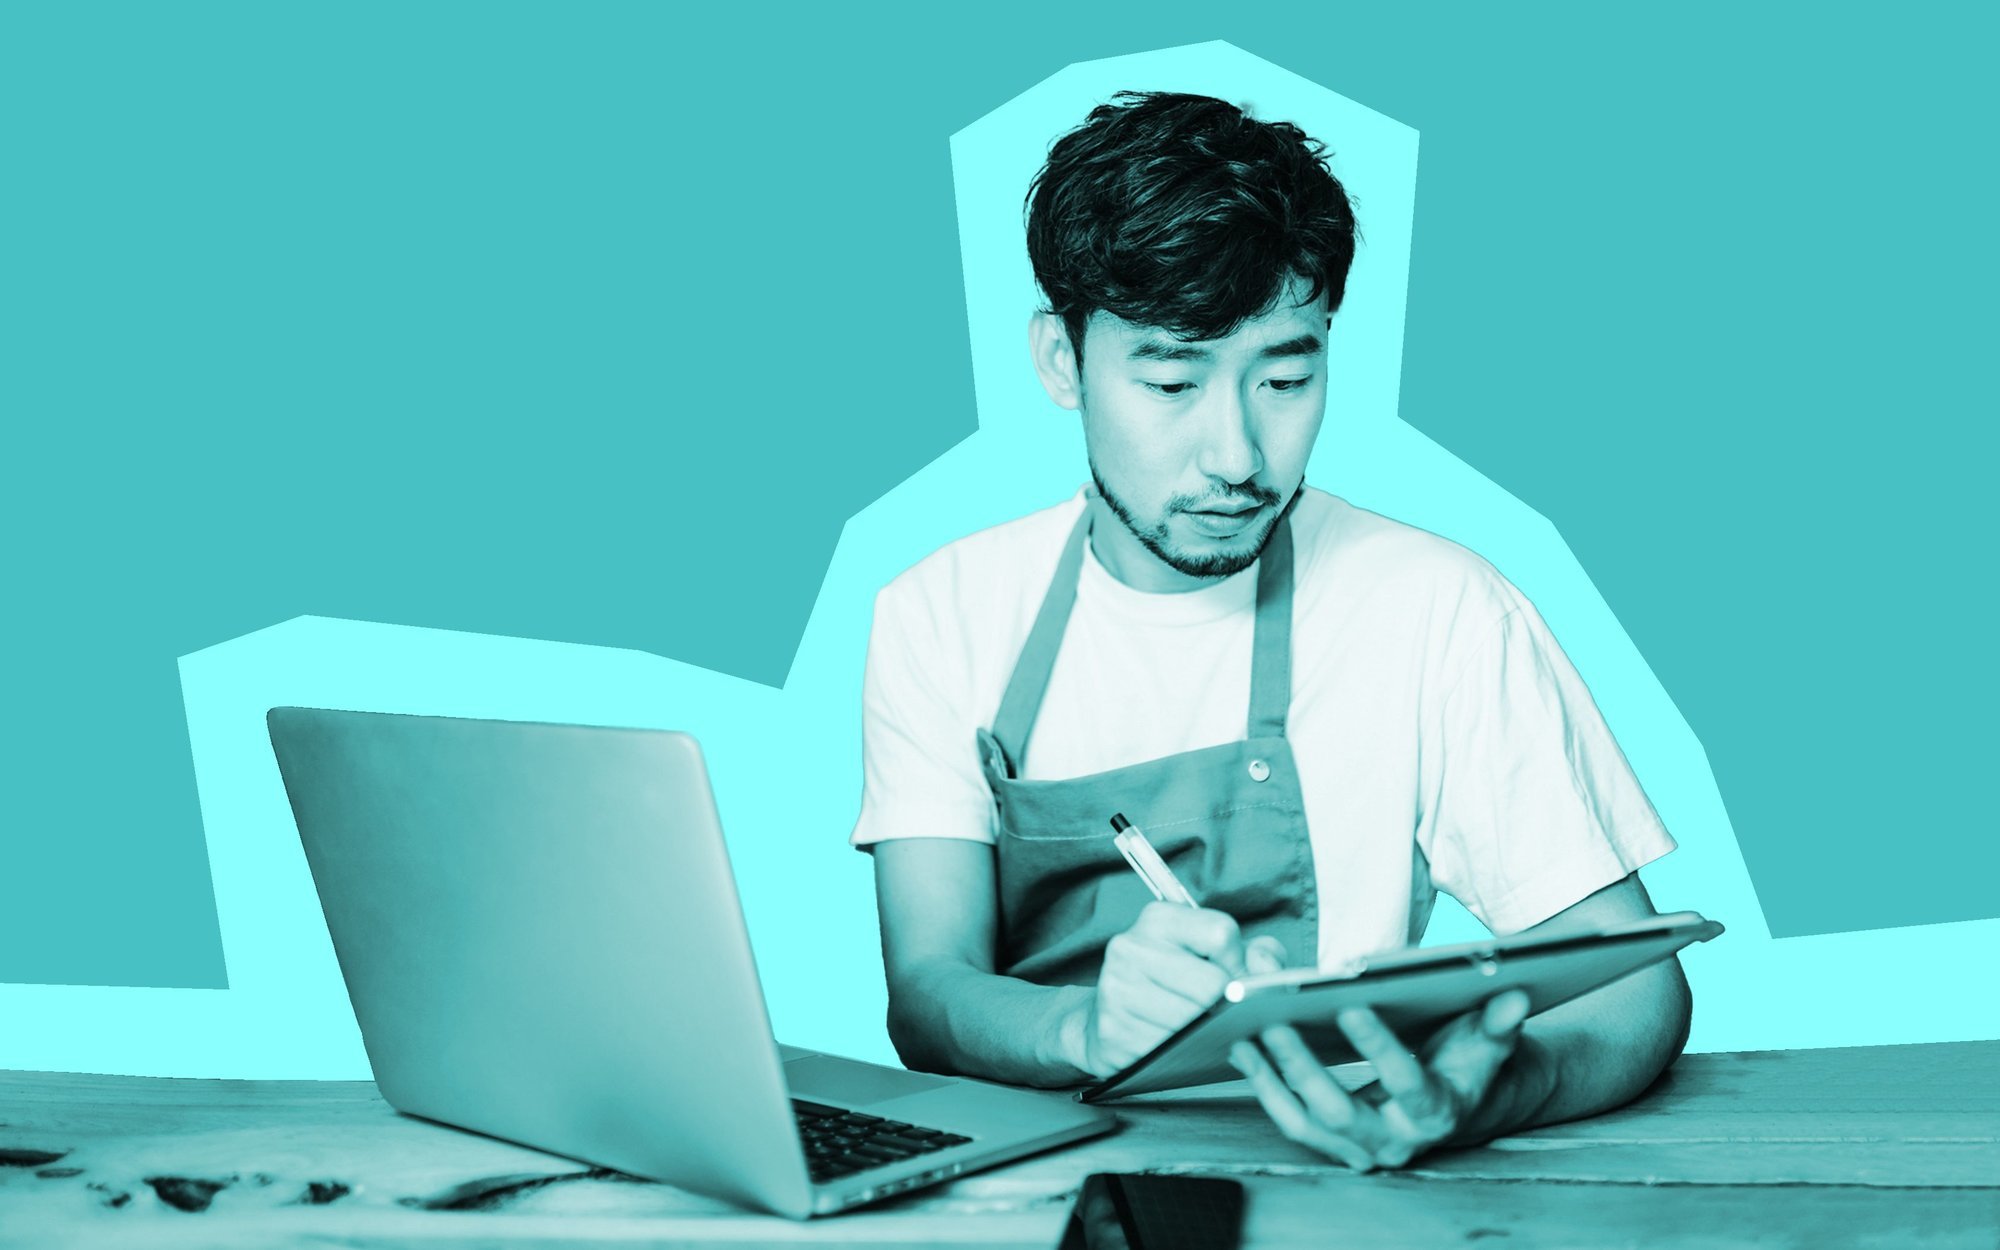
(1213, 564)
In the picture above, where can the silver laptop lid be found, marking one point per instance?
(541, 937)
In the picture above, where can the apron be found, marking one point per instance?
(1229, 819)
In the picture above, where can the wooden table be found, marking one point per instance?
(1877, 1146)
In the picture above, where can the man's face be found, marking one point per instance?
(1197, 446)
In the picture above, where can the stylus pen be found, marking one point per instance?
(1146, 861)
(1153, 870)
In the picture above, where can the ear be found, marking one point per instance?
(1055, 360)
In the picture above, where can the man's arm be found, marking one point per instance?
(1530, 803)
(950, 1012)
(1596, 1052)
(1484, 1075)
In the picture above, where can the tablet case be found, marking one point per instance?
(1416, 991)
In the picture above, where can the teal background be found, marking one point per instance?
(596, 326)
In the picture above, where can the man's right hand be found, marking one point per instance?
(1159, 974)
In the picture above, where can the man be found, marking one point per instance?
(1319, 716)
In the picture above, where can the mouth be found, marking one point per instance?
(1224, 522)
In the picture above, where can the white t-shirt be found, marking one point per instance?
(1442, 738)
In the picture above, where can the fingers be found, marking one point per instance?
(1156, 977)
(1148, 989)
(1134, 961)
(1213, 935)
(1331, 1105)
(1505, 1013)
(1371, 1124)
(1471, 1051)
(1137, 987)
(1283, 1105)
(1415, 1104)
(1402, 1074)
(1264, 955)
(1127, 1022)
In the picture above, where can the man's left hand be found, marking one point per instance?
(1414, 1105)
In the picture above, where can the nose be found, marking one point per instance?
(1229, 450)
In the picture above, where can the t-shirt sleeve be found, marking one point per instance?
(1531, 806)
(920, 768)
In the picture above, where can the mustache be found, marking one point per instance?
(1250, 493)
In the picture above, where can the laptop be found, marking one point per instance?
(542, 940)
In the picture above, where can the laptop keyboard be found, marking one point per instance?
(840, 1142)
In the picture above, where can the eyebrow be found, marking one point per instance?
(1166, 349)
(1307, 344)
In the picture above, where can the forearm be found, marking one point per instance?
(1587, 1056)
(951, 1017)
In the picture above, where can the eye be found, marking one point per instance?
(1169, 389)
(1283, 385)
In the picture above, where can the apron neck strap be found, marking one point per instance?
(1270, 660)
(1271, 654)
(1025, 688)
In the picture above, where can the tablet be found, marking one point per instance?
(1415, 990)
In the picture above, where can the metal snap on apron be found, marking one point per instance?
(1229, 819)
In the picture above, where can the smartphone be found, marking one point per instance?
(1134, 1211)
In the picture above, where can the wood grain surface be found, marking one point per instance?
(1878, 1146)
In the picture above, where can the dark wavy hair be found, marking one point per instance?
(1186, 213)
